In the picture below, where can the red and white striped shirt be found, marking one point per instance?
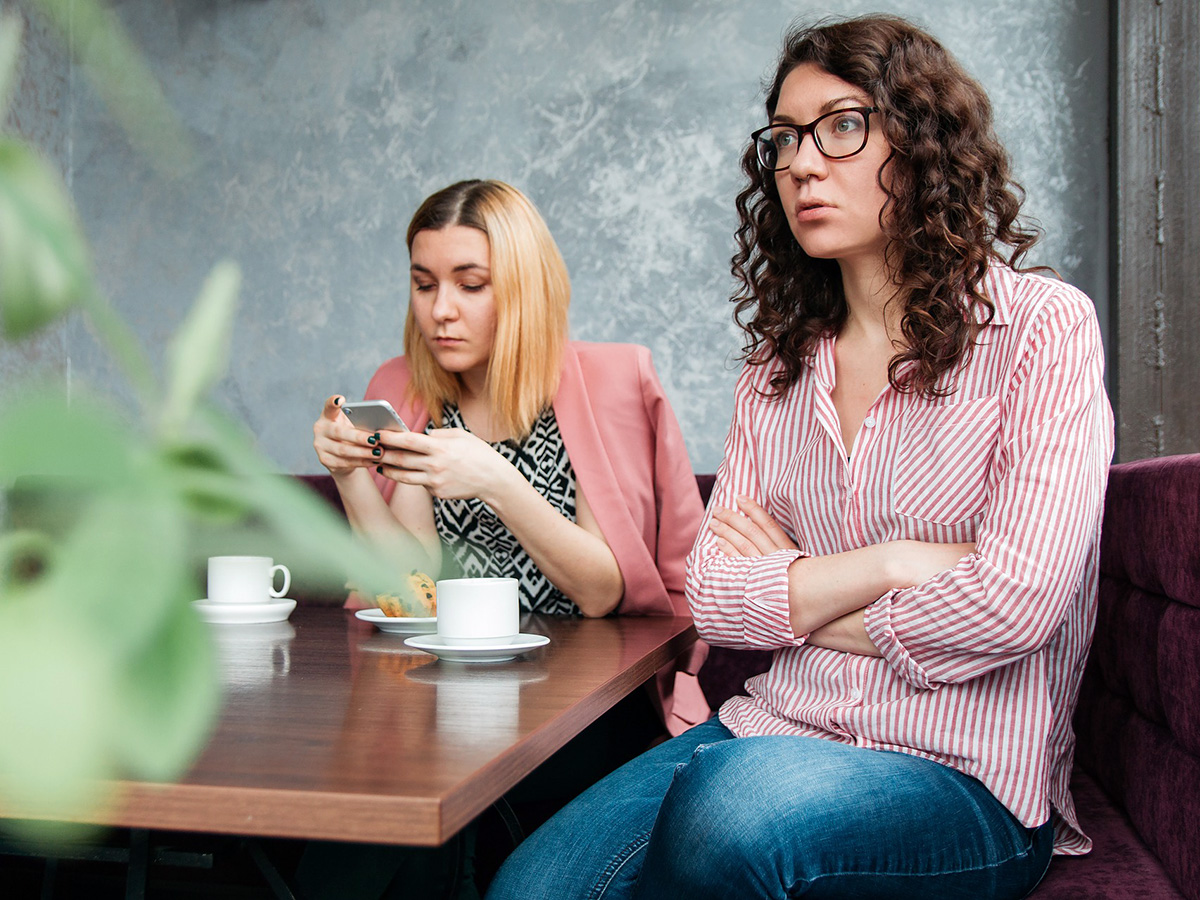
(981, 664)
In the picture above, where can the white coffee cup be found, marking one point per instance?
(244, 579)
(478, 611)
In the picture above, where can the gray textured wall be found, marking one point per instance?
(320, 124)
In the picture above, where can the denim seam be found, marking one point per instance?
(618, 862)
(963, 869)
(639, 843)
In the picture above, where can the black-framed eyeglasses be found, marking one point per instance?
(837, 134)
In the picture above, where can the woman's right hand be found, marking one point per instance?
(340, 446)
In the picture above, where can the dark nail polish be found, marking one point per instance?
(377, 451)
(379, 469)
(373, 439)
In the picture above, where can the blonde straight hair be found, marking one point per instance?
(532, 292)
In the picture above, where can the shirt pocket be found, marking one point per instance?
(941, 472)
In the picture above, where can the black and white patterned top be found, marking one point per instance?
(480, 545)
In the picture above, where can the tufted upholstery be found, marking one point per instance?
(1139, 711)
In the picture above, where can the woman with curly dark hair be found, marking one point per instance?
(907, 514)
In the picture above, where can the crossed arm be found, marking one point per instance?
(827, 594)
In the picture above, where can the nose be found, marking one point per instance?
(444, 308)
(808, 161)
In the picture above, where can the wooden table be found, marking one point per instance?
(333, 730)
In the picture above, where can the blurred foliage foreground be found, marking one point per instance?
(106, 672)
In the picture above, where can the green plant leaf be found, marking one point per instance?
(73, 445)
(76, 720)
(10, 59)
(311, 533)
(199, 352)
(57, 456)
(44, 266)
(119, 74)
(205, 485)
(302, 528)
(56, 701)
(120, 567)
(24, 557)
(169, 697)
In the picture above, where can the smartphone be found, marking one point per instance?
(374, 415)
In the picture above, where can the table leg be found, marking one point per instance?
(276, 881)
(49, 875)
(139, 863)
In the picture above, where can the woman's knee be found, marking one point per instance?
(762, 811)
(747, 785)
(719, 817)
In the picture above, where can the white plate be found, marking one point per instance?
(277, 610)
(434, 644)
(397, 624)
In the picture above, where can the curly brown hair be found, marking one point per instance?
(952, 209)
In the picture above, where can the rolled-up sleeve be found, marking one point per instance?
(740, 602)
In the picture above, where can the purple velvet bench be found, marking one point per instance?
(1137, 775)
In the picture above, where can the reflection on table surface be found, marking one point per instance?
(332, 729)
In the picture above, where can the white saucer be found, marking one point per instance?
(276, 610)
(434, 644)
(397, 624)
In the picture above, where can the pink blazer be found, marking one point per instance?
(630, 461)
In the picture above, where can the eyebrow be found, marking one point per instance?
(465, 267)
(827, 107)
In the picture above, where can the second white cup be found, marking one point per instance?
(478, 611)
(245, 579)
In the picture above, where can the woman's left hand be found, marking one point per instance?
(751, 531)
(450, 463)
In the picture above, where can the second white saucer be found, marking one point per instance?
(397, 624)
(276, 610)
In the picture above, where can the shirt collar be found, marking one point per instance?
(996, 286)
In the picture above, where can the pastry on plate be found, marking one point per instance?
(417, 598)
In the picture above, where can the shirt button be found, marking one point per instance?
(856, 695)
(869, 421)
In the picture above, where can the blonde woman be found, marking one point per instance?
(554, 461)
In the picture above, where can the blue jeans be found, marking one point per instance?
(709, 815)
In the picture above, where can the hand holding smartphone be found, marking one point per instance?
(373, 415)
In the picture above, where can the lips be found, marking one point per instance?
(810, 210)
(802, 205)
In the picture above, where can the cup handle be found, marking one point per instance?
(287, 580)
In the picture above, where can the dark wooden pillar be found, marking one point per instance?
(1155, 324)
